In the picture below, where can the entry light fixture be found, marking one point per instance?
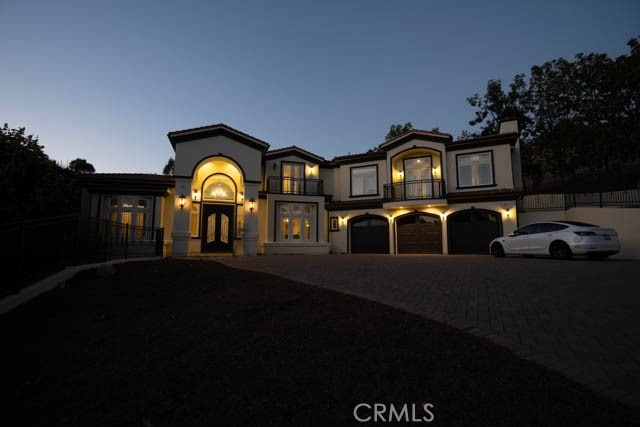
(195, 195)
(183, 200)
(508, 212)
(241, 196)
(252, 204)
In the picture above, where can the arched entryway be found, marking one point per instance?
(369, 235)
(419, 233)
(470, 231)
(218, 213)
(216, 216)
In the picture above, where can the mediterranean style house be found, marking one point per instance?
(421, 192)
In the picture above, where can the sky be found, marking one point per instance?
(106, 80)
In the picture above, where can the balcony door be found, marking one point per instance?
(292, 178)
(417, 177)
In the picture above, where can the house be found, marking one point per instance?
(421, 192)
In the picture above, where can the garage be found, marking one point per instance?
(369, 235)
(471, 231)
(419, 233)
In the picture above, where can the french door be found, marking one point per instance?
(217, 228)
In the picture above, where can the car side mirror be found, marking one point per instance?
(511, 234)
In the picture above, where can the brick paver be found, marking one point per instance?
(579, 317)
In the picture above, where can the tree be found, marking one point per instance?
(495, 105)
(575, 117)
(31, 184)
(397, 130)
(81, 166)
(169, 168)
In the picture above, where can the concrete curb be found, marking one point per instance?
(55, 280)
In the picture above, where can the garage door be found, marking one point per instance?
(369, 235)
(471, 231)
(419, 234)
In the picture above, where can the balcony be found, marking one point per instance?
(423, 189)
(301, 186)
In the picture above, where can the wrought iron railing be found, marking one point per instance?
(415, 190)
(564, 201)
(33, 249)
(286, 185)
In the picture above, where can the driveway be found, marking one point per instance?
(579, 317)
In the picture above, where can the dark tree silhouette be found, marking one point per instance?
(169, 168)
(81, 166)
(397, 130)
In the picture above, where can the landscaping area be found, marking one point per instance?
(190, 342)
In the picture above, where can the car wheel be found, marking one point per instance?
(560, 250)
(597, 256)
(497, 250)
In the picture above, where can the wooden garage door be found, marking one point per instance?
(471, 231)
(419, 234)
(369, 235)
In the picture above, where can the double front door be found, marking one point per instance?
(217, 228)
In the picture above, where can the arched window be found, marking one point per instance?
(219, 187)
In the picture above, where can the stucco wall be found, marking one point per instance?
(342, 189)
(503, 174)
(626, 221)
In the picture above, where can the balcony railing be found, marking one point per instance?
(303, 186)
(415, 190)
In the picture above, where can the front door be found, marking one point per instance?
(217, 228)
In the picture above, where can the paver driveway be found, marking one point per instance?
(579, 317)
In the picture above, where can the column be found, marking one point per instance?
(181, 234)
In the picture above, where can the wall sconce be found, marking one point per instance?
(241, 196)
(252, 204)
(343, 220)
(195, 195)
(401, 174)
(507, 213)
(183, 200)
(390, 219)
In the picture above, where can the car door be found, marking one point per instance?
(518, 241)
(542, 237)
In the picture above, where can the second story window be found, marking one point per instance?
(292, 177)
(475, 169)
(364, 180)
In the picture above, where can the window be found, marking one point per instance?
(219, 188)
(296, 222)
(475, 169)
(292, 177)
(194, 222)
(364, 180)
(130, 214)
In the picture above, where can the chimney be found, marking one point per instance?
(508, 125)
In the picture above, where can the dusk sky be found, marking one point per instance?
(106, 81)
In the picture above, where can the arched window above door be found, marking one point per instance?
(219, 187)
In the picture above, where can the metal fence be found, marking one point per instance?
(33, 249)
(564, 201)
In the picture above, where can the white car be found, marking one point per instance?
(559, 239)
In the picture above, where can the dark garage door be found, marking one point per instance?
(471, 231)
(369, 235)
(419, 234)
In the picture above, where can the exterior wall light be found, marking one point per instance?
(183, 200)
(252, 204)
(508, 213)
(195, 195)
(241, 196)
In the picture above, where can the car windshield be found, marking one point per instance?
(578, 224)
